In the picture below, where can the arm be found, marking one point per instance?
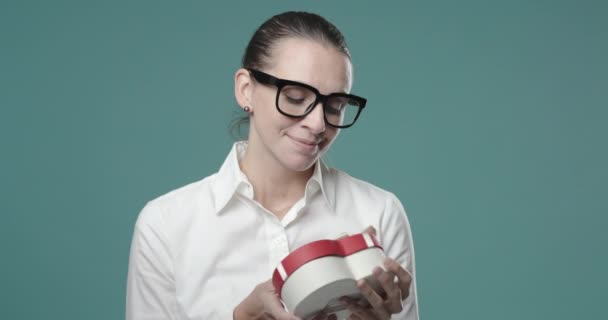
(150, 280)
(396, 237)
(397, 280)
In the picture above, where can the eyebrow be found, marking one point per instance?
(308, 84)
(271, 78)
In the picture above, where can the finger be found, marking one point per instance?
(284, 316)
(272, 303)
(363, 303)
(276, 309)
(374, 299)
(405, 279)
(393, 293)
(371, 230)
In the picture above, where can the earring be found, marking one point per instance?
(247, 109)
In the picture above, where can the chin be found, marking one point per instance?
(299, 163)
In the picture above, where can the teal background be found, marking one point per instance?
(486, 118)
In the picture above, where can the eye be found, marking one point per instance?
(294, 100)
(296, 95)
(336, 106)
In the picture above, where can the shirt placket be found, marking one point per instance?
(278, 245)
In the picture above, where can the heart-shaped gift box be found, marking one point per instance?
(315, 276)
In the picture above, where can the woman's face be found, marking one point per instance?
(297, 143)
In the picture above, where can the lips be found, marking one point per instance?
(306, 141)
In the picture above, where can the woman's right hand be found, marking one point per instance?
(262, 303)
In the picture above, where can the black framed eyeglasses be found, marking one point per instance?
(295, 99)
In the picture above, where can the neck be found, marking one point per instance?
(275, 187)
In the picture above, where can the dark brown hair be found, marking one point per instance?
(291, 24)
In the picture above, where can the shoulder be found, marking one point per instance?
(348, 185)
(179, 204)
(187, 194)
(369, 204)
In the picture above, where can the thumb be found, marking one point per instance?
(371, 230)
(276, 309)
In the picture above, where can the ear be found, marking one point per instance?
(243, 84)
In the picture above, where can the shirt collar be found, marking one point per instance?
(230, 179)
(321, 177)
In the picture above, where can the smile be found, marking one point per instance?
(305, 145)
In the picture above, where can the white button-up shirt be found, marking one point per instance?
(198, 251)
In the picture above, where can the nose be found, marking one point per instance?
(315, 120)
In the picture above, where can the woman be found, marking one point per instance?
(207, 250)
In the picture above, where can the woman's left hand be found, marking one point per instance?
(382, 308)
